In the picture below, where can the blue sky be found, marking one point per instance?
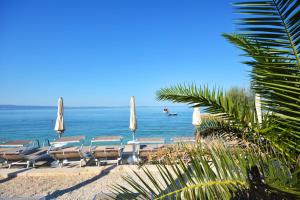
(99, 53)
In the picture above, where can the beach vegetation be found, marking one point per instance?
(269, 35)
(216, 171)
(231, 111)
(270, 39)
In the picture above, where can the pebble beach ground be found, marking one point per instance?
(64, 183)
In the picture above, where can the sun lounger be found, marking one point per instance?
(16, 143)
(68, 155)
(148, 146)
(26, 159)
(67, 140)
(151, 140)
(183, 139)
(147, 150)
(6, 150)
(101, 154)
(22, 152)
(64, 151)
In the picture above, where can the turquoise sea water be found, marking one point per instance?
(38, 122)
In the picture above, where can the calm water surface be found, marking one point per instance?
(38, 123)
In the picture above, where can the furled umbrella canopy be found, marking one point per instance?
(133, 127)
(196, 117)
(258, 108)
(59, 125)
(133, 121)
(197, 122)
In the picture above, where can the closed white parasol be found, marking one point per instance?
(133, 127)
(133, 121)
(196, 117)
(258, 108)
(197, 121)
(59, 125)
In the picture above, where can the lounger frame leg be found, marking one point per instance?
(28, 164)
(119, 161)
(5, 162)
(60, 164)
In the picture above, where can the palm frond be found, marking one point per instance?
(274, 24)
(233, 107)
(272, 35)
(277, 81)
(217, 172)
(213, 126)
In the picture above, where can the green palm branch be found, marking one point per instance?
(283, 133)
(217, 172)
(271, 37)
(273, 24)
(234, 107)
(216, 127)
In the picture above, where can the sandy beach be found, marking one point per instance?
(63, 183)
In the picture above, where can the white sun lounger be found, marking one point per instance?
(149, 146)
(101, 154)
(151, 140)
(183, 139)
(61, 150)
(22, 152)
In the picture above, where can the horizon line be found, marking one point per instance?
(12, 105)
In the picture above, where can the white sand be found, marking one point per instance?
(63, 183)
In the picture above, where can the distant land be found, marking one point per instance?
(30, 107)
(21, 107)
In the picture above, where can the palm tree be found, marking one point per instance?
(270, 36)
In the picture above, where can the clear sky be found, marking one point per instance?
(99, 53)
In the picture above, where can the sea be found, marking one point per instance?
(37, 122)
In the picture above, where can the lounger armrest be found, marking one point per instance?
(53, 148)
(92, 148)
(121, 149)
(28, 150)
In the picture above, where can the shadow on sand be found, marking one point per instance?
(58, 193)
(13, 175)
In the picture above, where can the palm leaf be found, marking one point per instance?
(276, 66)
(217, 172)
(233, 107)
(277, 81)
(274, 24)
